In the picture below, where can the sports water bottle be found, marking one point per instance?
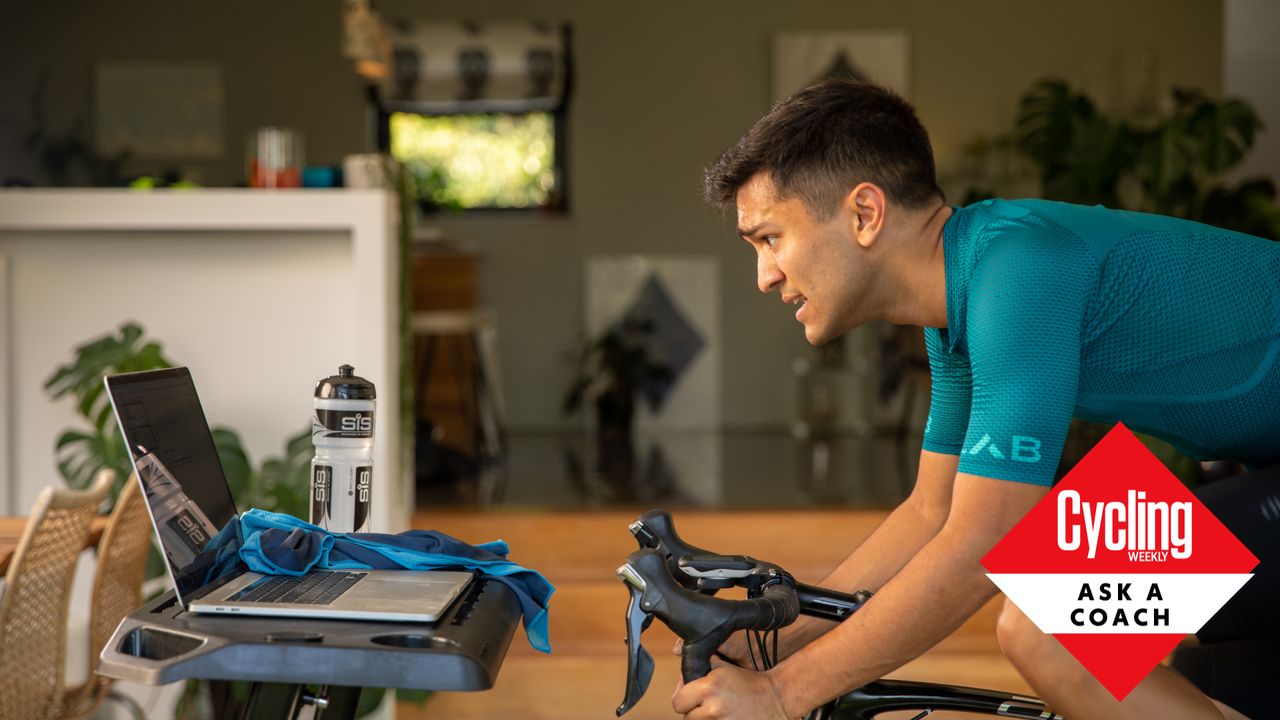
(342, 470)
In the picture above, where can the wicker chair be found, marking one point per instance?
(33, 611)
(117, 591)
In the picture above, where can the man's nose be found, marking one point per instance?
(768, 276)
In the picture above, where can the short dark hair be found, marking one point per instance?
(819, 143)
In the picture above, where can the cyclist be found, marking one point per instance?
(1033, 312)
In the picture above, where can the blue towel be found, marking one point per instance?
(277, 544)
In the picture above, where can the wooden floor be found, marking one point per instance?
(579, 553)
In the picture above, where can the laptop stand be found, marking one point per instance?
(160, 644)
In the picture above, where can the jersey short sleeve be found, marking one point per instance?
(1023, 328)
(951, 385)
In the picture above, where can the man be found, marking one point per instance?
(1033, 312)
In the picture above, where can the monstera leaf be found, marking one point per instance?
(1182, 158)
(81, 454)
(1091, 173)
(1048, 115)
(1222, 131)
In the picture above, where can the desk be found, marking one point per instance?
(11, 527)
(160, 644)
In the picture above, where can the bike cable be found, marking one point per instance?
(764, 649)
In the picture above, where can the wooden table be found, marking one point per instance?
(11, 528)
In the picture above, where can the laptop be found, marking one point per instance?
(190, 504)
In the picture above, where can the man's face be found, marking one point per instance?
(815, 265)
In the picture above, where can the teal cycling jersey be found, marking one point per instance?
(1057, 311)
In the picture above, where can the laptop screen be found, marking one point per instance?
(172, 449)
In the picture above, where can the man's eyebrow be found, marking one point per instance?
(748, 233)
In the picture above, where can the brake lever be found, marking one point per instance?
(639, 661)
(645, 537)
(708, 572)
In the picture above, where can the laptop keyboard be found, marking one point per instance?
(317, 588)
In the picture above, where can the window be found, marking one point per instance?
(481, 161)
(476, 112)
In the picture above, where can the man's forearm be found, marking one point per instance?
(870, 565)
(936, 591)
(887, 550)
(932, 595)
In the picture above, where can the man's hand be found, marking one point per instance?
(729, 693)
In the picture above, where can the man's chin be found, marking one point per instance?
(816, 336)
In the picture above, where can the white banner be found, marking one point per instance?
(1119, 604)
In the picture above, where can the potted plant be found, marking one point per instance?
(614, 370)
(1172, 164)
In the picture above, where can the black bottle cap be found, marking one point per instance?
(346, 385)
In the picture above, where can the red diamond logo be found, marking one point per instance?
(1119, 562)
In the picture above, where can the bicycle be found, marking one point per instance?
(676, 582)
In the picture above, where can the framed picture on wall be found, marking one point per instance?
(159, 109)
(678, 298)
(879, 56)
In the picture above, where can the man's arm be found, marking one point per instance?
(929, 598)
(912, 524)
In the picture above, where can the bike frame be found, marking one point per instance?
(884, 696)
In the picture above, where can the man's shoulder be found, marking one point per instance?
(1098, 227)
(1028, 218)
(1040, 233)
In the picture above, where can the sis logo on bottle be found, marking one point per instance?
(342, 423)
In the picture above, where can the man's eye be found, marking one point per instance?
(770, 241)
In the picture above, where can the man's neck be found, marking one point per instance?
(919, 270)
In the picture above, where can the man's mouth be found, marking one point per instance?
(800, 300)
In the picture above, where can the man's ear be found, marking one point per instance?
(866, 204)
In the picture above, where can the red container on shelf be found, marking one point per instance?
(275, 158)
